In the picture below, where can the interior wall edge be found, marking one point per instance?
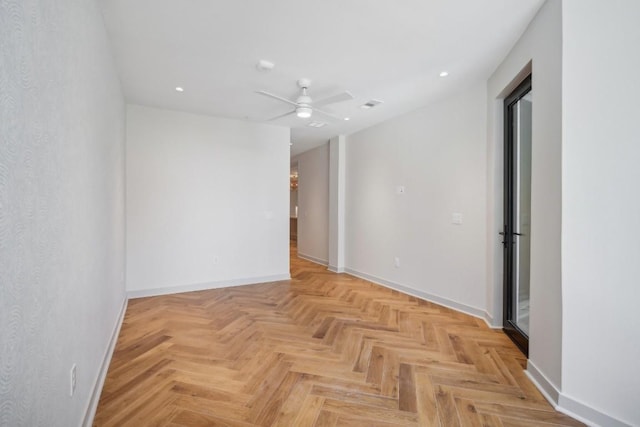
(567, 404)
(492, 322)
(548, 389)
(92, 405)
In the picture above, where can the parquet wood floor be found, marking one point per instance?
(323, 349)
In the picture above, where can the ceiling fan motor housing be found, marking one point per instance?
(304, 110)
(303, 100)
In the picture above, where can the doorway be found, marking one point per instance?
(293, 203)
(517, 213)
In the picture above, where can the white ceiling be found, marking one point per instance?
(377, 49)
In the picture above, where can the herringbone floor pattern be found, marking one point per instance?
(320, 350)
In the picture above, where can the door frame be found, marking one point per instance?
(509, 327)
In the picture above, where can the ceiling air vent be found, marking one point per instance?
(371, 104)
(317, 124)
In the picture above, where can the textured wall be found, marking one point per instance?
(61, 207)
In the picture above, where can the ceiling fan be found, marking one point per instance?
(304, 105)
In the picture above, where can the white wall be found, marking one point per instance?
(438, 154)
(601, 207)
(61, 208)
(539, 50)
(207, 202)
(313, 204)
(337, 202)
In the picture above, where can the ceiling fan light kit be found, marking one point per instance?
(304, 112)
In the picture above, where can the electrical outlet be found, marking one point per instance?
(72, 379)
(396, 262)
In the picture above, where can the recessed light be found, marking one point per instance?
(347, 118)
(179, 89)
(264, 66)
(444, 74)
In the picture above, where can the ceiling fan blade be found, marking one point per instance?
(325, 113)
(279, 98)
(341, 97)
(281, 115)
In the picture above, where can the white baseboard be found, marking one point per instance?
(335, 269)
(142, 293)
(567, 405)
(540, 380)
(473, 311)
(587, 414)
(90, 411)
(313, 259)
(491, 322)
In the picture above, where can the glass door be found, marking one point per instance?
(517, 213)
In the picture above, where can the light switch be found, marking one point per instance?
(456, 218)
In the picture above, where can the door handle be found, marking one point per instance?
(505, 234)
(502, 233)
(504, 240)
